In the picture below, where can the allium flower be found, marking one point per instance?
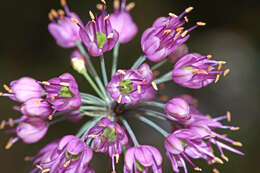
(165, 36)
(65, 31)
(178, 53)
(37, 107)
(138, 159)
(78, 61)
(98, 35)
(70, 154)
(23, 89)
(196, 71)
(122, 21)
(62, 92)
(108, 137)
(127, 86)
(178, 109)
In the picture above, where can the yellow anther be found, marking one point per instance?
(92, 136)
(119, 99)
(39, 167)
(116, 4)
(209, 56)
(215, 170)
(63, 2)
(46, 83)
(110, 35)
(52, 98)
(218, 160)
(224, 157)
(177, 35)
(210, 68)
(154, 86)
(139, 89)
(226, 72)
(201, 23)
(91, 15)
(199, 71)
(228, 116)
(7, 88)
(235, 128)
(130, 6)
(197, 169)
(37, 102)
(186, 19)
(117, 158)
(121, 71)
(187, 10)
(217, 78)
(46, 170)
(11, 122)
(50, 117)
(66, 164)
(1, 93)
(167, 24)
(74, 20)
(99, 6)
(239, 144)
(103, 1)
(61, 13)
(167, 31)
(212, 135)
(9, 144)
(107, 17)
(173, 15)
(222, 62)
(2, 125)
(66, 84)
(179, 29)
(50, 17)
(184, 33)
(54, 13)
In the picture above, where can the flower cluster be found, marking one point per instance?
(128, 94)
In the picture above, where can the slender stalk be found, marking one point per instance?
(61, 119)
(115, 58)
(159, 64)
(94, 114)
(91, 102)
(153, 125)
(92, 108)
(92, 83)
(138, 62)
(130, 131)
(92, 98)
(103, 69)
(153, 103)
(164, 78)
(153, 113)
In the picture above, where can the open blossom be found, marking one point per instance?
(140, 158)
(23, 89)
(122, 21)
(196, 71)
(98, 35)
(62, 92)
(69, 154)
(62, 28)
(37, 107)
(165, 36)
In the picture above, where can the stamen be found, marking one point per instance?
(177, 35)
(239, 144)
(226, 72)
(139, 89)
(121, 71)
(42, 169)
(209, 56)
(50, 117)
(107, 17)
(215, 170)
(197, 169)
(179, 29)
(186, 19)
(167, 24)
(63, 2)
(228, 116)
(199, 71)
(116, 4)
(46, 170)
(184, 33)
(50, 17)
(27, 158)
(156, 73)
(201, 23)
(37, 102)
(64, 84)
(154, 86)
(54, 13)
(210, 68)
(99, 7)
(220, 63)
(92, 136)
(110, 36)
(218, 160)
(235, 128)
(130, 6)
(52, 98)
(103, 1)
(61, 13)
(11, 122)
(187, 10)
(66, 164)
(167, 31)
(119, 99)
(2, 125)
(217, 78)
(74, 20)
(173, 15)
(212, 135)
(91, 15)
(224, 157)
(7, 88)
(46, 83)
(117, 158)
(9, 144)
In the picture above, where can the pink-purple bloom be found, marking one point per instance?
(36, 107)
(65, 31)
(165, 36)
(140, 158)
(196, 71)
(122, 21)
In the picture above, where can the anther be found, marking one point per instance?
(139, 89)
(179, 29)
(54, 13)
(197, 169)
(91, 15)
(228, 116)
(212, 135)
(117, 158)
(46, 170)
(66, 164)
(50, 117)
(121, 71)
(167, 24)
(235, 128)
(201, 23)
(64, 84)
(1, 93)
(130, 6)
(7, 88)
(46, 83)
(187, 10)
(239, 144)
(52, 98)
(226, 72)
(184, 33)
(167, 31)
(2, 125)
(199, 71)
(74, 20)
(99, 7)
(107, 17)
(173, 15)
(218, 160)
(63, 2)
(110, 35)
(116, 4)
(119, 99)
(154, 86)
(27, 158)
(186, 19)
(103, 1)
(9, 144)
(215, 170)
(209, 56)
(11, 122)
(50, 17)
(217, 78)
(224, 157)
(37, 102)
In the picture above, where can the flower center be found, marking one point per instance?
(101, 39)
(139, 166)
(72, 157)
(126, 86)
(65, 92)
(110, 134)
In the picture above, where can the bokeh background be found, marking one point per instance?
(231, 34)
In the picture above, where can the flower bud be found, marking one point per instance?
(36, 107)
(78, 62)
(177, 109)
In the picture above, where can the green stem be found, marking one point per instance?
(103, 69)
(164, 78)
(159, 64)
(130, 131)
(92, 108)
(153, 125)
(115, 58)
(153, 103)
(138, 62)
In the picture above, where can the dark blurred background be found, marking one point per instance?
(231, 34)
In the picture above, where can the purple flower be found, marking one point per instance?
(65, 31)
(196, 71)
(23, 89)
(62, 92)
(70, 154)
(138, 159)
(122, 21)
(108, 137)
(178, 53)
(166, 36)
(178, 109)
(98, 35)
(127, 86)
(36, 107)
